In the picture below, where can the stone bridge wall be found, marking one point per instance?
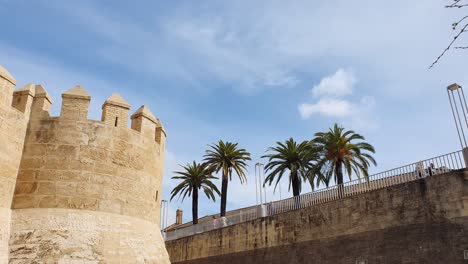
(424, 221)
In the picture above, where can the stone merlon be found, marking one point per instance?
(77, 92)
(6, 75)
(75, 104)
(117, 100)
(115, 111)
(23, 98)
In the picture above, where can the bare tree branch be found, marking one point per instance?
(456, 4)
(464, 28)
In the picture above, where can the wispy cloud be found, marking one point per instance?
(333, 94)
(339, 84)
(233, 45)
(327, 107)
(225, 57)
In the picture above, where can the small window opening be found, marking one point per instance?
(156, 199)
(116, 121)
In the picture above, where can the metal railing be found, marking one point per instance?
(407, 173)
(239, 216)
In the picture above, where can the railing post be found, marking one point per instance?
(465, 156)
(261, 211)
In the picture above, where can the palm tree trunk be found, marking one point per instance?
(339, 177)
(195, 206)
(296, 192)
(224, 187)
(295, 184)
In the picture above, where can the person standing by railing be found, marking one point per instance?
(419, 169)
(430, 169)
(214, 222)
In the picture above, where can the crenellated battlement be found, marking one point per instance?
(35, 101)
(95, 182)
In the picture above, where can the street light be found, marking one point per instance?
(459, 115)
(261, 181)
(261, 210)
(164, 210)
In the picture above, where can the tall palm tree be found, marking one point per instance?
(195, 177)
(226, 157)
(289, 156)
(340, 152)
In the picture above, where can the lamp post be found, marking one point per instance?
(459, 111)
(261, 189)
(261, 180)
(164, 210)
(280, 189)
(258, 184)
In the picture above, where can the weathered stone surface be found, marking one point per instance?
(4, 233)
(75, 190)
(421, 243)
(423, 221)
(81, 236)
(13, 125)
(90, 166)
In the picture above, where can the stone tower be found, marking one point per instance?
(77, 190)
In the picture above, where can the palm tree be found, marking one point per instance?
(290, 156)
(195, 177)
(226, 157)
(339, 151)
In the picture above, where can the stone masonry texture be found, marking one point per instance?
(74, 190)
(424, 221)
(13, 124)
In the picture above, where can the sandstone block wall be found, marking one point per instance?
(425, 221)
(13, 124)
(89, 165)
(56, 235)
(74, 190)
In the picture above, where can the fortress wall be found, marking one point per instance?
(424, 221)
(86, 190)
(55, 235)
(13, 125)
(7, 85)
(89, 165)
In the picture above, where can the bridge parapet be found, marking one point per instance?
(410, 172)
(390, 224)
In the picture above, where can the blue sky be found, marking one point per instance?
(252, 72)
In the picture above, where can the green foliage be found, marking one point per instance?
(195, 176)
(227, 157)
(289, 156)
(338, 151)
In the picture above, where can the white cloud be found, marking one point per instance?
(332, 93)
(231, 43)
(226, 57)
(330, 90)
(339, 84)
(327, 107)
